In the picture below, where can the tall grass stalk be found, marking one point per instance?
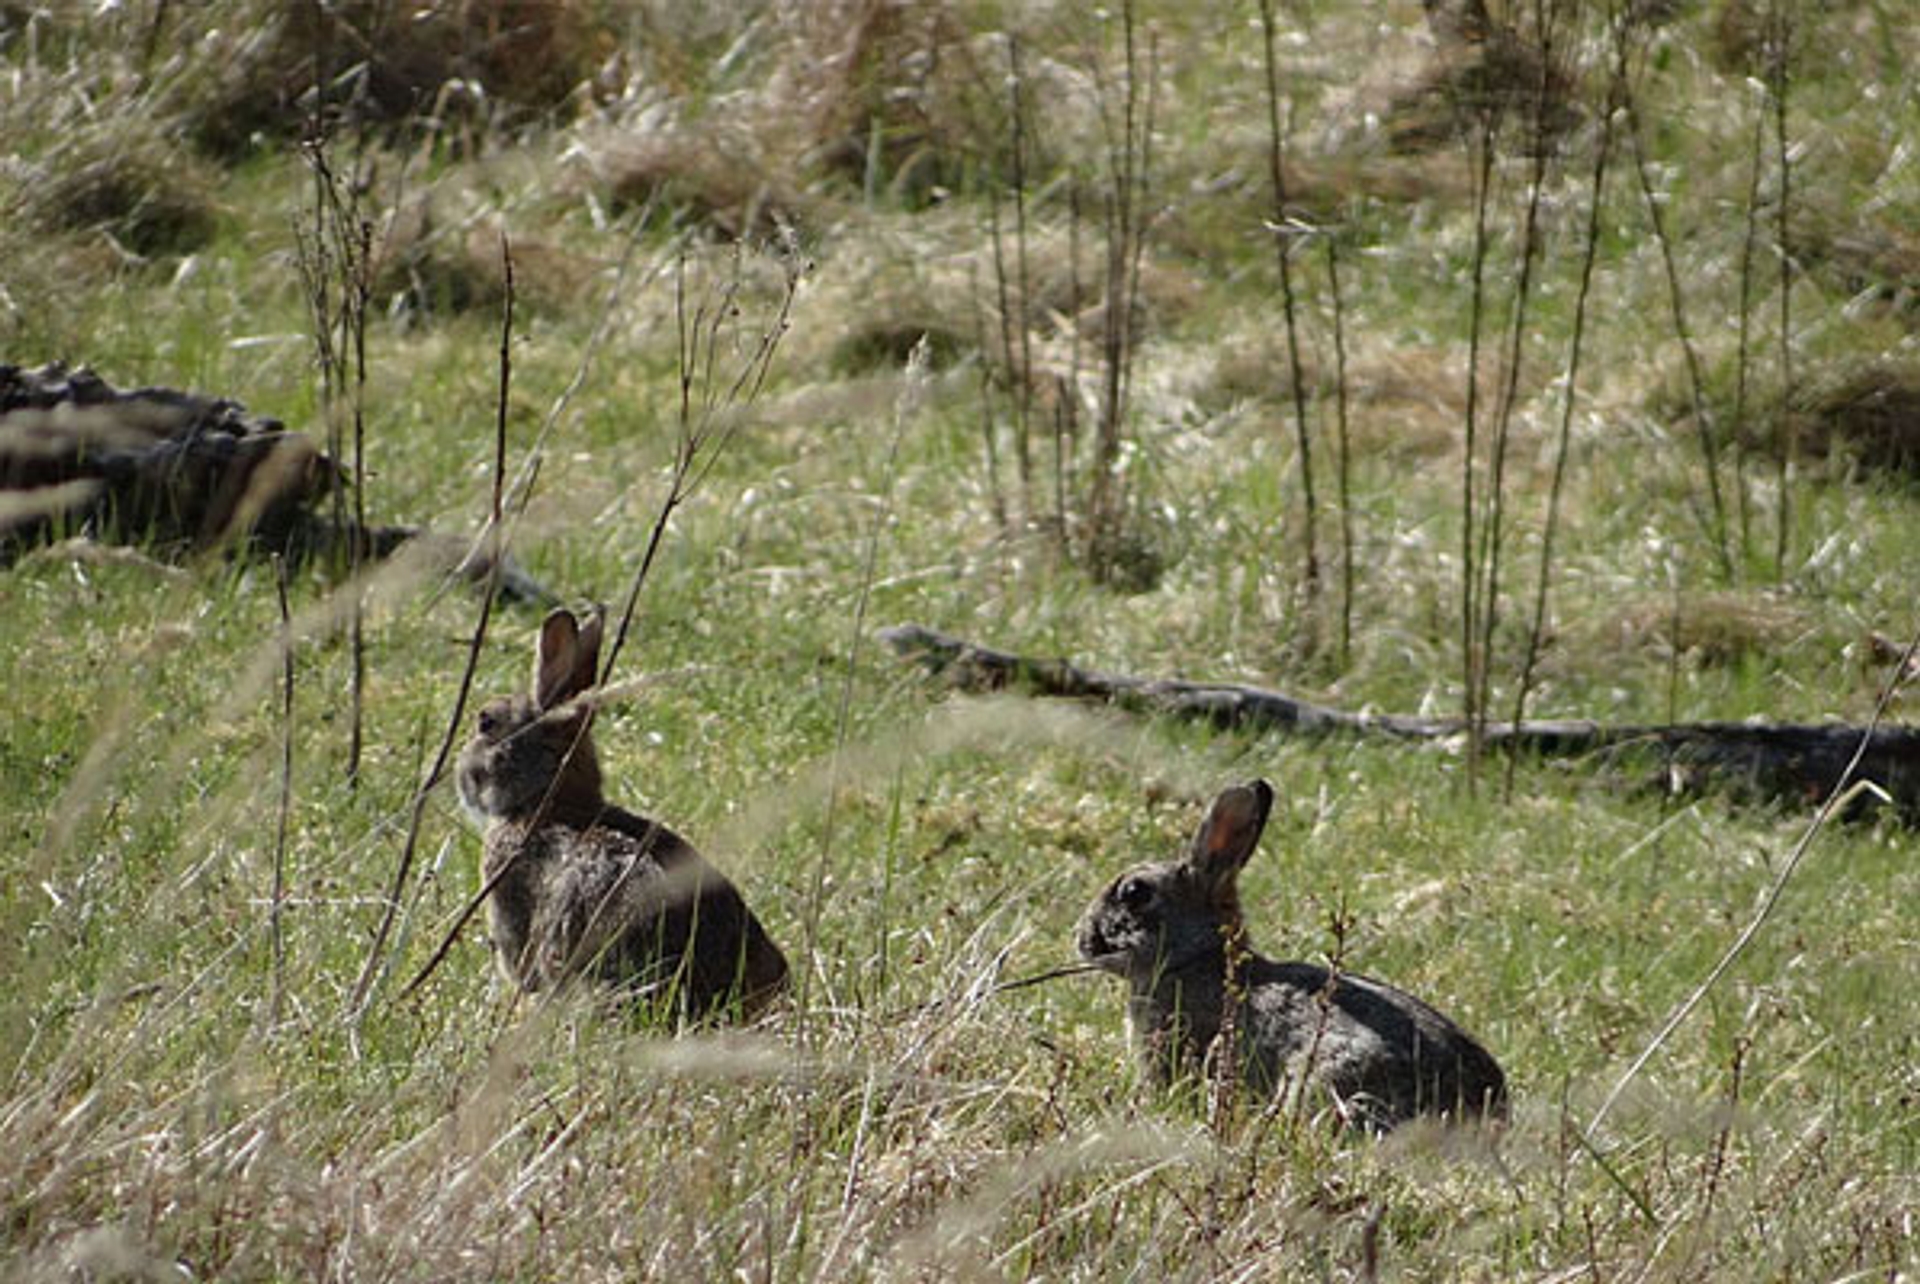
(1066, 419)
(1283, 253)
(1023, 374)
(1569, 399)
(1714, 521)
(1779, 54)
(1343, 458)
(1128, 177)
(1492, 530)
(906, 410)
(1017, 374)
(336, 264)
(711, 403)
(1481, 141)
(989, 430)
(1743, 350)
(276, 901)
(373, 967)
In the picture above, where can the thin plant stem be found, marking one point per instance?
(1283, 253)
(1068, 424)
(989, 430)
(1482, 140)
(904, 413)
(1536, 633)
(1715, 522)
(1743, 352)
(360, 290)
(1128, 160)
(1009, 359)
(456, 718)
(1343, 459)
(1023, 318)
(1492, 531)
(1778, 67)
(277, 900)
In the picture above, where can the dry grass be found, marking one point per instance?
(451, 65)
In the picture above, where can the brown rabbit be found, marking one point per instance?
(1175, 932)
(587, 889)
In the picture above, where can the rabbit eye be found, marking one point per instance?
(492, 723)
(1135, 893)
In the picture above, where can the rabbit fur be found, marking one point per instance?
(583, 889)
(1174, 931)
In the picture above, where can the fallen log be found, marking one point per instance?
(178, 472)
(1797, 763)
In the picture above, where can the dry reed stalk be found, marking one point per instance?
(1779, 74)
(456, 717)
(1590, 251)
(1343, 458)
(1480, 142)
(1493, 530)
(1743, 351)
(277, 897)
(1283, 252)
(1714, 522)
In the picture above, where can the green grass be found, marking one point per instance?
(154, 1113)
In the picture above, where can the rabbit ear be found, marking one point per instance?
(586, 660)
(1227, 837)
(556, 660)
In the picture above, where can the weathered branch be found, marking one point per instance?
(1789, 762)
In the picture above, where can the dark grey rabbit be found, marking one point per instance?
(586, 889)
(1175, 932)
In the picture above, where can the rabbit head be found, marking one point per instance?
(535, 750)
(1166, 915)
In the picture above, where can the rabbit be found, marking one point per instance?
(1174, 931)
(585, 889)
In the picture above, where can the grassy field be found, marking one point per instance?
(181, 1097)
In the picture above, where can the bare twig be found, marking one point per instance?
(1343, 458)
(456, 718)
(1779, 59)
(1596, 188)
(1472, 661)
(1743, 352)
(1715, 521)
(1283, 252)
(1129, 167)
(278, 897)
(1493, 529)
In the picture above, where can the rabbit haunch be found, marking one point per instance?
(583, 888)
(1174, 931)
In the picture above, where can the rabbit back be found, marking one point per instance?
(1383, 1055)
(626, 902)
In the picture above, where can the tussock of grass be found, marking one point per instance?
(1869, 415)
(713, 177)
(441, 63)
